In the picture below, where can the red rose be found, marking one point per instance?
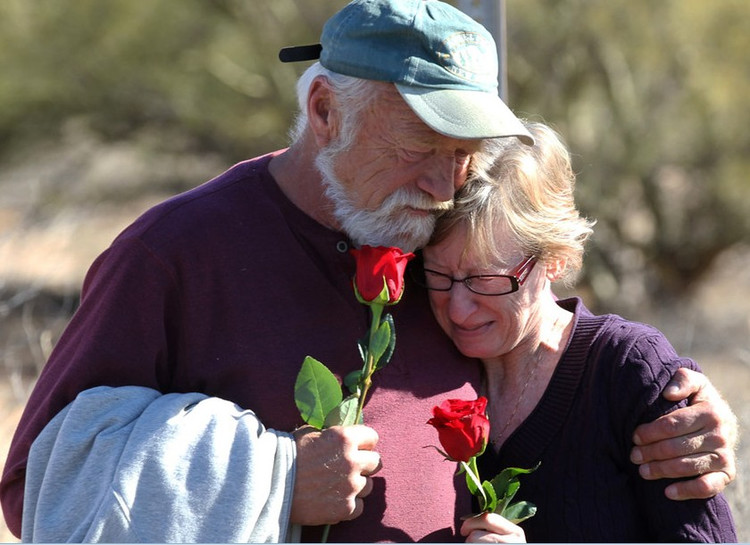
(463, 428)
(378, 268)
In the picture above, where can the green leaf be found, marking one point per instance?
(362, 345)
(386, 357)
(506, 484)
(472, 481)
(519, 511)
(316, 392)
(490, 496)
(351, 381)
(344, 414)
(507, 495)
(380, 341)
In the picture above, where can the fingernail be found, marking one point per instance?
(671, 492)
(636, 456)
(672, 389)
(645, 471)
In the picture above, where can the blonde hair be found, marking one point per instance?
(530, 190)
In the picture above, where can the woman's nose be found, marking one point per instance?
(461, 302)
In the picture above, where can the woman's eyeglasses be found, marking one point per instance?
(481, 284)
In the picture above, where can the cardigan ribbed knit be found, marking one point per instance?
(608, 381)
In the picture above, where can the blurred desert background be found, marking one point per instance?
(109, 106)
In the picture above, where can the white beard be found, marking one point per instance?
(393, 224)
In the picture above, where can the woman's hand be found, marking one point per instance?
(491, 528)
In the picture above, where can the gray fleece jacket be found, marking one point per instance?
(127, 465)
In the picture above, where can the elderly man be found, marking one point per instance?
(167, 413)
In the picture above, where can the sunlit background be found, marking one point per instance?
(109, 106)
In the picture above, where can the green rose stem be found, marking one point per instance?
(378, 281)
(474, 483)
(369, 369)
(377, 312)
(463, 430)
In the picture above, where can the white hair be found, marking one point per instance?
(352, 94)
(393, 223)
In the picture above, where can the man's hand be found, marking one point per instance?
(333, 473)
(697, 440)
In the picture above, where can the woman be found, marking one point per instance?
(565, 387)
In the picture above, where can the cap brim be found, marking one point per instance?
(464, 114)
(300, 53)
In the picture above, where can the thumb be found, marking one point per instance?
(686, 383)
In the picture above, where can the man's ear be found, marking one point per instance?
(322, 115)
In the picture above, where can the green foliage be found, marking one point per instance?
(649, 95)
(202, 73)
(650, 98)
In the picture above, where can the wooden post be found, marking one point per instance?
(491, 14)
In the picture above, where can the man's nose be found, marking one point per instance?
(439, 178)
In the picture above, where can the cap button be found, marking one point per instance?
(342, 246)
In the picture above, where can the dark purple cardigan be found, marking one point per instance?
(608, 381)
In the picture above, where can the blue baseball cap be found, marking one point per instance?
(442, 61)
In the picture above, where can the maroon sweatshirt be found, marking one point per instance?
(224, 290)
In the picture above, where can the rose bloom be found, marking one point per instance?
(377, 267)
(463, 427)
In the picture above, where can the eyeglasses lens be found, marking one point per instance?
(484, 285)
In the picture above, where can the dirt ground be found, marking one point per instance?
(10, 412)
